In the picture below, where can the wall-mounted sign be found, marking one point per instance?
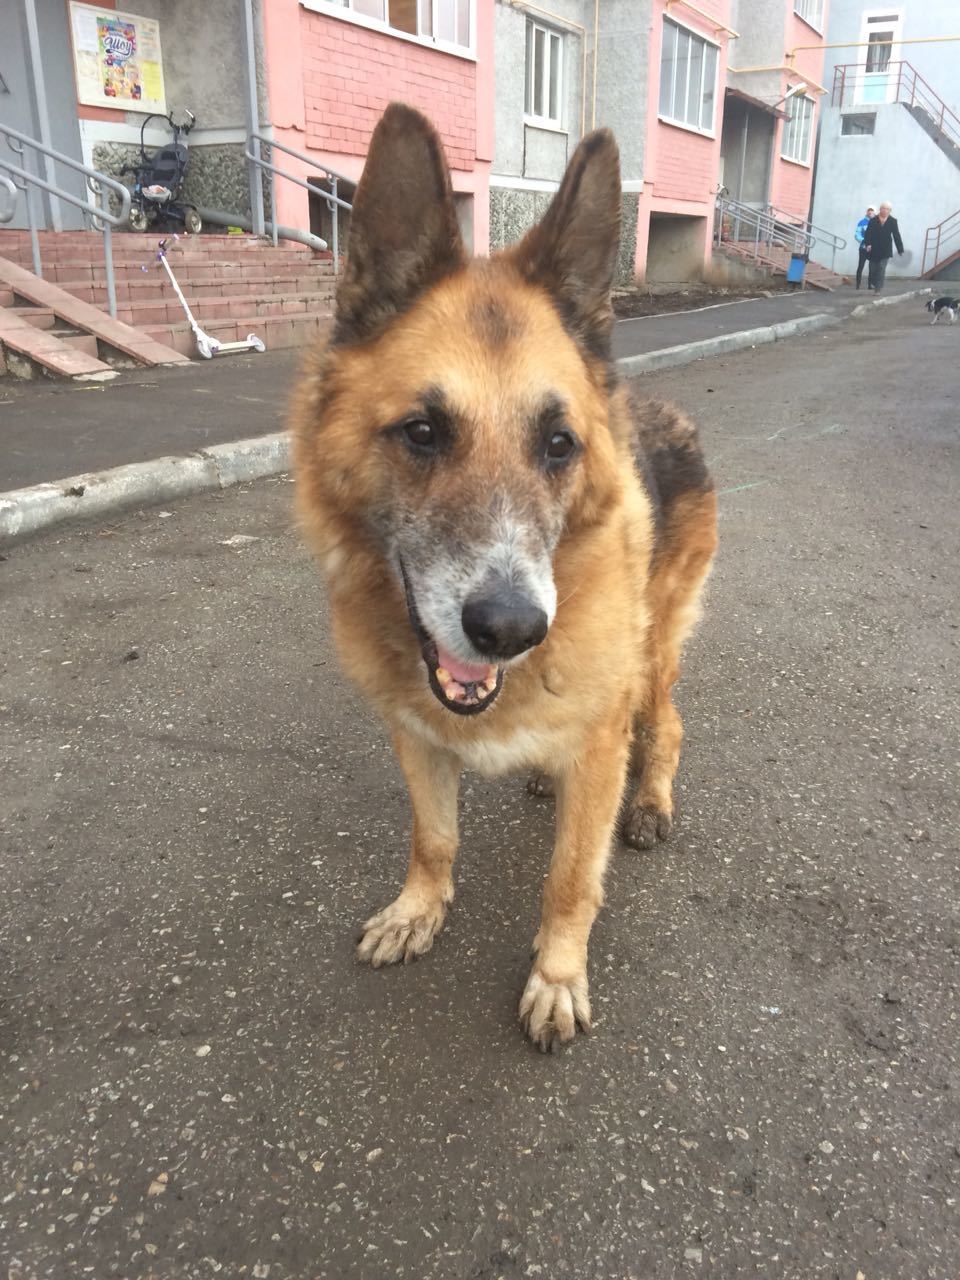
(117, 59)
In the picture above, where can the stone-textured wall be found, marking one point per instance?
(216, 175)
(512, 213)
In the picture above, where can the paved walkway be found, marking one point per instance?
(200, 1083)
(50, 430)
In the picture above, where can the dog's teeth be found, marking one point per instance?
(453, 691)
(443, 676)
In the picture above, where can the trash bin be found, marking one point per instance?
(797, 267)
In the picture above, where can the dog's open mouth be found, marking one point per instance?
(464, 687)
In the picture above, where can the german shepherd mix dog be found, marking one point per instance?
(514, 551)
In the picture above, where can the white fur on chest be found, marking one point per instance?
(525, 748)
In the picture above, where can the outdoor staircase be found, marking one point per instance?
(235, 285)
(775, 261)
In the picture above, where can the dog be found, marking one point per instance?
(944, 306)
(514, 549)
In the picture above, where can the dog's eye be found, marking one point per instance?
(561, 447)
(420, 436)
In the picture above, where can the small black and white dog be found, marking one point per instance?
(944, 306)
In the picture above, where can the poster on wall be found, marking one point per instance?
(117, 59)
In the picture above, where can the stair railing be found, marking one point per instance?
(254, 153)
(10, 207)
(98, 210)
(821, 236)
(897, 82)
(743, 224)
(936, 240)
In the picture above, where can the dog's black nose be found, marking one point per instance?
(503, 622)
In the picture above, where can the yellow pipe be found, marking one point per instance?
(793, 71)
(566, 22)
(866, 44)
(596, 57)
(707, 17)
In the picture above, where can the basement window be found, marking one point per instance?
(855, 126)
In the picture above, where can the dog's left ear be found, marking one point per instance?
(404, 233)
(573, 252)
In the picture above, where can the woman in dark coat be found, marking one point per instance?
(881, 235)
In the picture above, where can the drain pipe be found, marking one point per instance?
(43, 119)
(253, 119)
(217, 218)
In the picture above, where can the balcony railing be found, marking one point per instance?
(855, 84)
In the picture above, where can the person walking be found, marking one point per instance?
(859, 234)
(881, 235)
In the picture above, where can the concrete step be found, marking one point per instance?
(117, 342)
(148, 313)
(132, 247)
(156, 286)
(29, 352)
(254, 268)
(277, 332)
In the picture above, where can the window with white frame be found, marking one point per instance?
(544, 77)
(811, 11)
(438, 21)
(688, 78)
(798, 130)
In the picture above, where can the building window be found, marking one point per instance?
(688, 78)
(544, 88)
(879, 49)
(798, 130)
(435, 21)
(854, 126)
(810, 11)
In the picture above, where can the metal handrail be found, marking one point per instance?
(98, 208)
(255, 141)
(762, 228)
(10, 208)
(910, 89)
(934, 239)
(820, 234)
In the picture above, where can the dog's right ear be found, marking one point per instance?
(404, 234)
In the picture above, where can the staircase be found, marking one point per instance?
(775, 259)
(941, 250)
(901, 82)
(235, 285)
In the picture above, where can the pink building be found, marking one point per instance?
(331, 68)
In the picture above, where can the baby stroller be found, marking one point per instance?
(158, 180)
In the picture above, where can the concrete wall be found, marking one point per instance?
(761, 24)
(623, 75)
(899, 163)
(522, 150)
(936, 62)
(18, 106)
(675, 249)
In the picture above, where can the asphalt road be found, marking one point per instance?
(196, 813)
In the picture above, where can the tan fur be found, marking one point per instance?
(489, 337)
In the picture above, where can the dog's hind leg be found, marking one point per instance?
(407, 927)
(677, 577)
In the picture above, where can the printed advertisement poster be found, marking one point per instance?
(117, 59)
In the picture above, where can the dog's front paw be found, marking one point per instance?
(643, 825)
(541, 784)
(404, 930)
(551, 1011)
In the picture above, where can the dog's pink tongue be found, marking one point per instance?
(464, 672)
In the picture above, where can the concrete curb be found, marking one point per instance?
(866, 307)
(670, 357)
(27, 511)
